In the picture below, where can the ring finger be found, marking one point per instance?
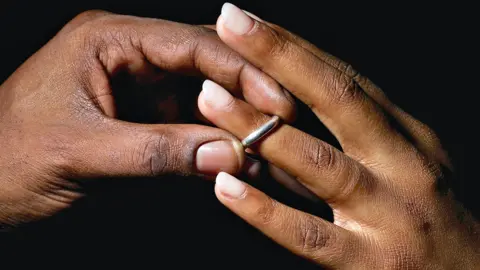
(323, 169)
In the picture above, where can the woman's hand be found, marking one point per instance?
(58, 111)
(392, 209)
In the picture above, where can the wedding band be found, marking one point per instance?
(261, 131)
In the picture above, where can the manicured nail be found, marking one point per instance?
(215, 96)
(235, 19)
(230, 186)
(214, 157)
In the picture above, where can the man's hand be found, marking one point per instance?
(57, 111)
(387, 188)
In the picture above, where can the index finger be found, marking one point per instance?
(331, 91)
(133, 42)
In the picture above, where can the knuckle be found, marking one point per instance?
(347, 70)
(312, 237)
(432, 177)
(195, 35)
(344, 178)
(105, 29)
(199, 31)
(198, 41)
(154, 156)
(89, 15)
(113, 40)
(206, 46)
(266, 212)
(207, 50)
(345, 90)
(279, 47)
(83, 18)
(118, 47)
(348, 183)
(322, 157)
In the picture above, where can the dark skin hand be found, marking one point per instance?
(392, 208)
(59, 127)
(58, 114)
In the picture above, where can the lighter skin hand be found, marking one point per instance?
(392, 208)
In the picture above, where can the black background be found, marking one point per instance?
(422, 57)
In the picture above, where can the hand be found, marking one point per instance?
(392, 209)
(57, 111)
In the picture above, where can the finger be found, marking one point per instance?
(252, 168)
(130, 42)
(253, 171)
(301, 233)
(291, 183)
(357, 122)
(134, 150)
(214, 27)
(324, 170)
(421, 135)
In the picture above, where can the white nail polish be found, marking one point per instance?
(235, 19)
(215, 96)
(230, 186)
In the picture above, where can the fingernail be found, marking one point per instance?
(230, 186)
(215, 96)
(214, 157)
(253, 16)
(235, 19)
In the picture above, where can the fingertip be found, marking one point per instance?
(219, 26)
(229, 187)
(215, 96)
(215, 103)
(237, 21)
(208, 83)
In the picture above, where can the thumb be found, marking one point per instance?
(140, 150)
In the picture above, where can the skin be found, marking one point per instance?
(58, 116)
(392, 208)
